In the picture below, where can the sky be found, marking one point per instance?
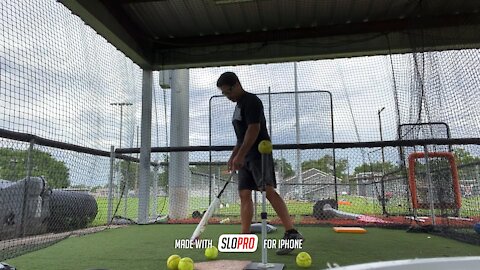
(58, 79)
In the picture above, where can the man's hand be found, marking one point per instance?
(230, 164)
(232, 157)
(238, 162)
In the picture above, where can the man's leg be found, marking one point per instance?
(279, 206)
(246, 209)
(275, 200)
(281, 209)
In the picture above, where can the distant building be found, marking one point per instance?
(316, 185)
(100, 192)
(365, 184)
(200, 187)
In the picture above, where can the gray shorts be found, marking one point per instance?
(250, 175)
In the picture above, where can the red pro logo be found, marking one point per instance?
(237, 243)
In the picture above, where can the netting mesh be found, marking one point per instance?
(60, 81)
(58, 78)
(437, 87)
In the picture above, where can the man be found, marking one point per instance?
(250, 128)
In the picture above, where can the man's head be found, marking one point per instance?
(230, 86)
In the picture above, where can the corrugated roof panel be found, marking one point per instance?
(206, 17)
(167, 18)
(269, 14)
(235, 15)
(305, 13)
(218, 17)
(154, 18)
(193, 18)
(135, 15)
(358, 11)
(179, 15)
(287, 13)
(143, 17)
(451, 7)
(377, 10)
(251, 15)
(323, 12)
(197, 11)
(340, 14)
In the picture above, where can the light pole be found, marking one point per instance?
(122, 104)
(383, 159)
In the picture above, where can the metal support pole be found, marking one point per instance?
(110, 185)
(121, 176)
(25, 190)
(126, 188)
(255, 202)
(297, 133)
(145, 149)
(382, 182)
(179, 175)
(121, 124)
(138, 167)
(210, 151)
(264, 213)
(431, 189)
(125, 174)
(334, 155)
(154, 212)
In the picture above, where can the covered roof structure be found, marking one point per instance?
(171, 34)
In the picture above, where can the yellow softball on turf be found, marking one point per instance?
(185, 264)
(211, 253)
(303, 259)
(172, 262)
(265, 147)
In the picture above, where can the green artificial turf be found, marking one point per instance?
(148, 247)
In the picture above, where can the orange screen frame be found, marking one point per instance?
(412, 181)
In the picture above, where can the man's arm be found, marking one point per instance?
(250, 137)
(232, 156)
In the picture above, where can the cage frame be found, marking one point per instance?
(455, 179)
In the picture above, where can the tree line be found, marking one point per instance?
(13, 167)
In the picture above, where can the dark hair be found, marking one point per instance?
(227, 78)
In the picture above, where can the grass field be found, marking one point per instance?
(361, 205)
(148, 247)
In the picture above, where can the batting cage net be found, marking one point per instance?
(388, 140)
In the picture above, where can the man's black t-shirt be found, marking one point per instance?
(249, 110)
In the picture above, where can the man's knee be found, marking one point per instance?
(245, 195)
(271, 193)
